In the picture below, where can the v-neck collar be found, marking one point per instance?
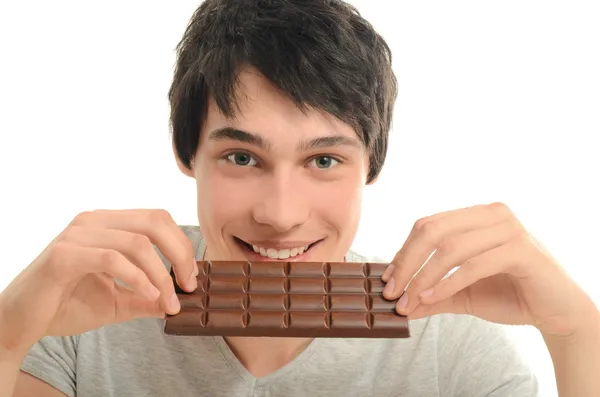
(298, 362)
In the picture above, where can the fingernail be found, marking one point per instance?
(426, 294)
(193, 282)
(389, 287)
(387, 273)
(196, 271)
(175, 305)
(152, 292)
(402, 302)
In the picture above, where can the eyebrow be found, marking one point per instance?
(234, 134)
(327, 142)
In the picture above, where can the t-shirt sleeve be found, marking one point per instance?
(479, 358)
(53, 360)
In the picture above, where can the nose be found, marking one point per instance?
(283, 206)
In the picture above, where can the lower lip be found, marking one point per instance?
(253, 256)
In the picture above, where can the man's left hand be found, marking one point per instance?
(503, 274)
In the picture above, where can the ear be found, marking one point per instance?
(182, 167)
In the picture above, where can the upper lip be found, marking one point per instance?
(279, 244)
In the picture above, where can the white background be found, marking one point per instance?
(498, 101)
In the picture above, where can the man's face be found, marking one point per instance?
(277, 184)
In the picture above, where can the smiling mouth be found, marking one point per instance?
(273, 253)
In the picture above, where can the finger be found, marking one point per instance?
(131, 306)
(428, 233)
(475, 269)
(389, 271)
(162, 230)
(455, 251)
(69, 262)
(137, 248)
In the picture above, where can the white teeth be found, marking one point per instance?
(279, 254)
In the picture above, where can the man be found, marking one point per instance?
(280, 112)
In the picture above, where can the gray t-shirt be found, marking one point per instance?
(446, 355)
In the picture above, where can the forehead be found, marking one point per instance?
(264, 109)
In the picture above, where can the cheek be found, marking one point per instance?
(221, 200)
(340, 205)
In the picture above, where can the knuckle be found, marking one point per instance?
(138, 279)
(140, 243)
(419, 224)
(429, 231)
(69, 233)
(82, 218)
(500, 208)
(160, 217)
(110, 258)
(58, 255)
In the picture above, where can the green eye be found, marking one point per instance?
(242, 159)
(324, 162)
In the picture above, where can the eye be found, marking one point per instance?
(324, 162)
(242, 159)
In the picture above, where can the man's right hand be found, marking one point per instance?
(70, 287)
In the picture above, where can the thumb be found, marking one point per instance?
(455, 304)
(131, 305)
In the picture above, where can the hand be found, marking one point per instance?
(70, 287)
(503, 274)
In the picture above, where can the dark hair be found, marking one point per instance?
(321, 53)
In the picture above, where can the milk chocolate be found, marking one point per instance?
(288, 299)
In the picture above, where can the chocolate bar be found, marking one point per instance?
(288, 299)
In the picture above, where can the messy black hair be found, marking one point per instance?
(320, 53)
